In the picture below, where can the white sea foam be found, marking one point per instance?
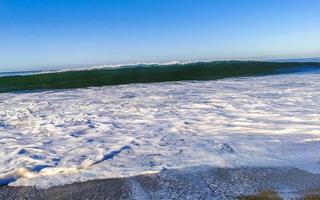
(58, 137)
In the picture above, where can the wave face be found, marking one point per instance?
(149, 74)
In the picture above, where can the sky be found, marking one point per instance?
(51, 34)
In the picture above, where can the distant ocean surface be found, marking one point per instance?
(146, 73)
(3, 74)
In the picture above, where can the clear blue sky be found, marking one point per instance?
(35, 34)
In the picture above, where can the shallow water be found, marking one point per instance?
(57, 137)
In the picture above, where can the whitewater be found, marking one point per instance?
(56, 137)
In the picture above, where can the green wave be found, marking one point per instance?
(150, 74)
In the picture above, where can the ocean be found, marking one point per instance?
(59, 127)
(144, 73)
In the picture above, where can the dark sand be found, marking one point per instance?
(188, 183)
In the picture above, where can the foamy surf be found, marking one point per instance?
(56, 137)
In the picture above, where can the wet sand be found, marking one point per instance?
(188, 183)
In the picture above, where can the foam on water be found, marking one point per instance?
(57, 137)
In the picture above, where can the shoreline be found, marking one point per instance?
(202, 182)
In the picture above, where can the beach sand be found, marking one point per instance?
(202, 182)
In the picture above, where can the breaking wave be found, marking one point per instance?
(149, 73)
